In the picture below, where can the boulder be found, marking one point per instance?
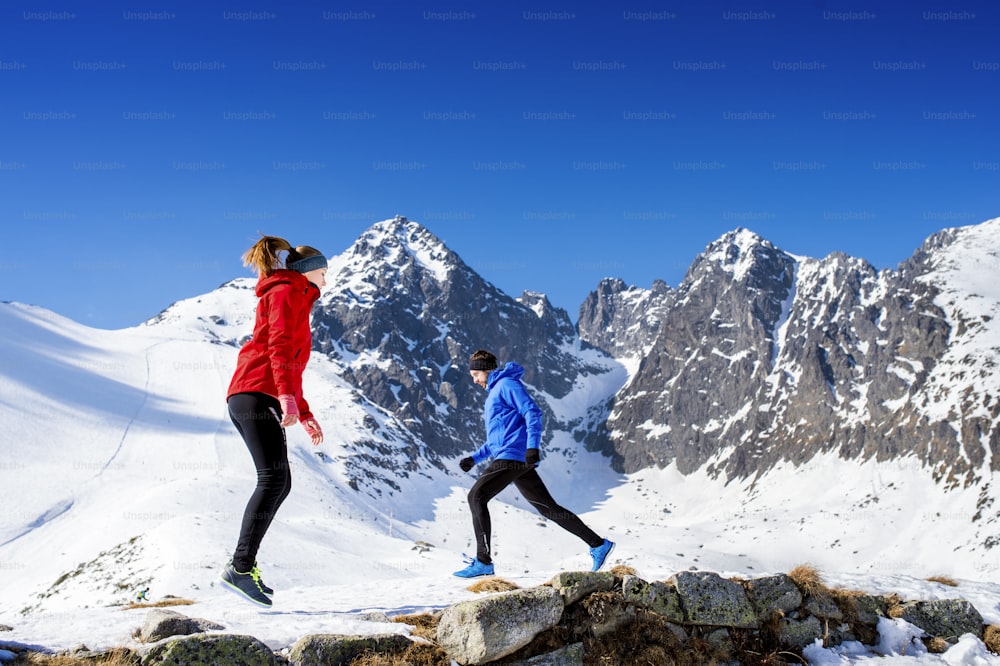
(863, 608)
(944, 618)
(823, 606)
(161, 623)
(483, 630)
(720, 640)
(374, 616)
(856, 619)
(661, 598)
(575, 585)
(339, 650)
(211, 649)
(799, 633)
(774, 593)
(710, 599)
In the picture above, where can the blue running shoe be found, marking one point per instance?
(475, 568)
(600, 554)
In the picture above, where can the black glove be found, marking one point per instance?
(466, 464)
(532, 457)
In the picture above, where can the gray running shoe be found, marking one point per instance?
(246, 585)
(260, 581)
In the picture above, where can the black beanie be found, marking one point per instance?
(482, 364)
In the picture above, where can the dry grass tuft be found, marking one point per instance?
(944, 580)
(424, 625)
(493, 585)
(991, 636)
(895, 606)
(936, 645)
(413, 655)
(163, 603)
(771, 625)
(808, 579)
(622, 570)
(846, 602)
(761, 648)
(648, 640)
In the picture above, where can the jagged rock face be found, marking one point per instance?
(403, 313)
(620, 319)
(712, 345)
(760, 357)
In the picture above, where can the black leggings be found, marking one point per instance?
(257, 416)
(499, 475)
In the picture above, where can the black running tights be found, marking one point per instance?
(257, 416)
(499, 475)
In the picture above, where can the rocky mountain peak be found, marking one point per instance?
(738, 252)
(404, 313)
(556, 320)
(397, 246)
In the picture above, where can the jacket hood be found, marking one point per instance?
(284, 276)
(511, 370)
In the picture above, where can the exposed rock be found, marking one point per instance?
(658, 597)
(375, 616)
(799, 633)
(721, 640)
(575, 585)
(339, 650)
(710, 599)
(863, 608)
(161, 623)
(84, 655)
(944, 618)
(774, 593)
(483, 630)
(211, 649)
(823, 606)
(623, 320)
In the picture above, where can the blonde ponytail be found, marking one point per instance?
(263, 256)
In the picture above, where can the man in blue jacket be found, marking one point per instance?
(513, 435)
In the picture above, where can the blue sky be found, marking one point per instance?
(144, 144)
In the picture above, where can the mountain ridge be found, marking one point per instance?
(815, 327)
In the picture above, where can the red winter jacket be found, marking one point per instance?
(273, 360)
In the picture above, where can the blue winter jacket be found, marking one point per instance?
(513, 420)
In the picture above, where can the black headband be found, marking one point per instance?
(482, 364)
(310, 263)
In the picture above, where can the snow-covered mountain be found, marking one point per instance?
(769, 411)
(760, 358)
(404, 316)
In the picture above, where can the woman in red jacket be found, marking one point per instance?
(265, 394)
